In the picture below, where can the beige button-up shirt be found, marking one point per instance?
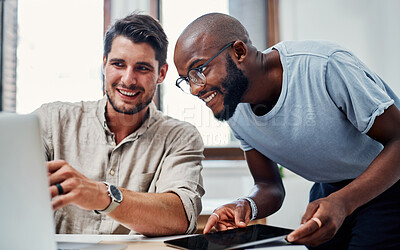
(163, 155)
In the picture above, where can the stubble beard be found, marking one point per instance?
(134, 110)
(235, 85)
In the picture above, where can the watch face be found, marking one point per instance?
(116, 193)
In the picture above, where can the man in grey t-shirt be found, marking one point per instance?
(314, 108)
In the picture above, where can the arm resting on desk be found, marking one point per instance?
(151, 214)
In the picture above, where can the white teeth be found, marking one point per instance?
(210, 97)
(127, 93)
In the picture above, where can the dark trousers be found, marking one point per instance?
(375, 225)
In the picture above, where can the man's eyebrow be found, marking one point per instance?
(146, 64)
(112, 60)
(191, 66)
(116, 60)
(194, 62)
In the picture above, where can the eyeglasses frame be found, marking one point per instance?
(200, 70)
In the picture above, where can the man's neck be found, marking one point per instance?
(123, 125)
(265, 80)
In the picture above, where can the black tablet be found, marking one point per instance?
(231, 239)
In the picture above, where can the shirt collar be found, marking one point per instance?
(101, 115)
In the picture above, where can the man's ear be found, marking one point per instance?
(104, 64)
(240, 50)
(163, 73)
(104, 74)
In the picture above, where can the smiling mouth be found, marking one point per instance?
(127, 93)
(210, 97)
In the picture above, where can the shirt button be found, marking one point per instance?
(112, 172)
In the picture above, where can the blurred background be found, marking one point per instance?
(52, 50)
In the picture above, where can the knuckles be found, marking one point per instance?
(74, 182)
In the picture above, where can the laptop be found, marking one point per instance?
(26, 214)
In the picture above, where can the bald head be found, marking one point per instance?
(205, 36)
(219, 29)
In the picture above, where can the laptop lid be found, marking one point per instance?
(26, 214)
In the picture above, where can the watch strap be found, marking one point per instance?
(113, 204)
(253, 206)
(110, 208)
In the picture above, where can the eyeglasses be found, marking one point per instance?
(196, 75)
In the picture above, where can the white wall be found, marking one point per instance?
(369, 28)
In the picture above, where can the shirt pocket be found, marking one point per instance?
(141, 182)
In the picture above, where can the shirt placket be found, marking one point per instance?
(112, 177)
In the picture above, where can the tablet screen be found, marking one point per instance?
(234, 238)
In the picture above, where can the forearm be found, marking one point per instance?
(151, 214)
(268, 192)
(383, 172)
(268, 198)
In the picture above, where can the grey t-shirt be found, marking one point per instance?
(317, 129)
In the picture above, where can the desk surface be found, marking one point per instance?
(140, 245)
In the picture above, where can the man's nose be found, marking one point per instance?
(195, 89)
(129, 77)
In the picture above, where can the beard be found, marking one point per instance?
(235, 85)
(130, 111)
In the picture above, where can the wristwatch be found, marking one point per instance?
(116, 198)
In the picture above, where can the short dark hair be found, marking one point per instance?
(139, 28)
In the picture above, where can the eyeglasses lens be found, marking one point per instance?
(197, 77)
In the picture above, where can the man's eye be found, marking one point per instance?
(142, 68)
(117, 64)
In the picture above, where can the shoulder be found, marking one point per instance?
(65, 110)
(319, 48)
(174, 130)
(173, 124)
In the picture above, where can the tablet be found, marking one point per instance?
(231, 239)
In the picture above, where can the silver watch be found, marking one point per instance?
(116, 198)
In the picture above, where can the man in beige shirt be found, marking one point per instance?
(118, 165)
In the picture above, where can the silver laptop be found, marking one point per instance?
(25, 210)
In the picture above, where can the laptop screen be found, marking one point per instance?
(25, 212)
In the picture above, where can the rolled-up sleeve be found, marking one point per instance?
(44, 113)
(181, 171)
(355, 90)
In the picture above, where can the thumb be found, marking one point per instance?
(240, 214)
(310, 211)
